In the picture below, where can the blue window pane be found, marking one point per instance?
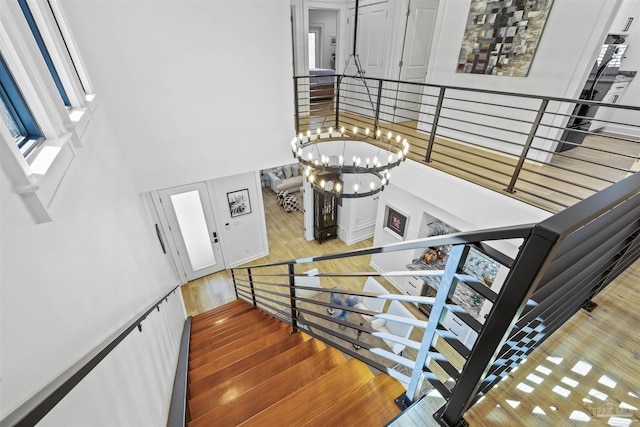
(15, 112)
(43, 49)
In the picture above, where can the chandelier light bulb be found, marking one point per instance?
(383, 181)
(400, 155)
(322, 183)
(338, 187)
(378, 133)
(354, 160)
(372, 185)
(310, 156)
(299, 152)
(357, 161)
(398, 137)
(315, 162)
(330, 131)
(390, 158)
(312, 178)
(318, 131)
(405, 150)
(307, 172)
(340, 160)
(375, 161)
(388, 176)
(342, 130)
(367, 131)
(389, 136)
(404, 142)
(308, 134)
(355, 187)
(300, 135)
(367, 162)
(355, 130)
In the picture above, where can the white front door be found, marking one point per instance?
(192, 226)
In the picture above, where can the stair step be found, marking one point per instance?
(371, 404)
(238, 367)
(203, 355)
(211, 332)
(204, 345)
(220, 309)
(219, 318)
(238, 353)
(311, 399)
(248, 379)
(275, 390)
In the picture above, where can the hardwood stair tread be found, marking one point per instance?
(273, 391)
(220, 309)
(234, 335)
(203, 355)
(247, 379)
(310, 400)
(371, 404)
(213, 380)
(238, 353)
(220, 318)
(233, 323)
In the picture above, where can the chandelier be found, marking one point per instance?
(349, 163)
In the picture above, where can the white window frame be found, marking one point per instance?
(38, 177)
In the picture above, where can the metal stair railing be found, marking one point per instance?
(562, 263)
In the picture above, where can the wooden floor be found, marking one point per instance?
(568, 178)
(606, 339)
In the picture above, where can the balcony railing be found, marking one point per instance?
(546, 151)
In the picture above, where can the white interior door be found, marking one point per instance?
(417, 48)
(371, 48)
(192, 226)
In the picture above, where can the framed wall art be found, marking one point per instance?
(239, 203)
(395, 222)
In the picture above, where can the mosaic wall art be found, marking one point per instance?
(501, 37)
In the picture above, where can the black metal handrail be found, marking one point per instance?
(40, 404)
(521, 144)
(561, 265)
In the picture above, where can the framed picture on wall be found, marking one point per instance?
(395, 222)
(239, 203)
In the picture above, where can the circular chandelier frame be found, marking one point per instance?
(325, 172)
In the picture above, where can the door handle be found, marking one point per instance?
(215, 237)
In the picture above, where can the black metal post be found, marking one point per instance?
(235, 287)
(253, 291)
(520, 284)
(434, 125)
(292, 293)
(296, 103)
(377, 112)
(339, 81)
(527, 145)
(355, 29)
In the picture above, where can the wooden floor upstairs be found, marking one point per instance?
(246, 368)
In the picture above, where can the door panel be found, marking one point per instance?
(419, 37)
(192, 227)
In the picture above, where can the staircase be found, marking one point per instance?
(246, 369)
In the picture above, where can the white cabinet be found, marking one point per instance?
(411, 285)
(461, 330)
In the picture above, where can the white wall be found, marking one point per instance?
(328, 21)
(191, 93)
(66, 285)
(416, 189)
(572, 37)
